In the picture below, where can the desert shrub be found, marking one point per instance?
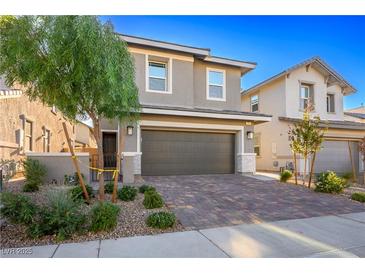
(34, 173)
(17, 208)
(144, 188)
(329, 182)
(73, 179)
(109, 187)
(152, 199)
(77, 193)
(358, 196)
(104, 216)
(62, 216)
(285, 176)
(161, 220)
(127, 193)
(30, 187)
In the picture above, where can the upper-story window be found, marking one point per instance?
(46, 140)
(306, 96)
(254, 103)
(28, 135)
(158, 72)
(216, 89)
(330, 103)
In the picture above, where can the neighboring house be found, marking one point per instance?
(355, 114)
(83, 137)
(285, 96)
(191, 119)
(28, 126)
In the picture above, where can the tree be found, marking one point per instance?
(362, 151)
(306, 138)
(76, 63)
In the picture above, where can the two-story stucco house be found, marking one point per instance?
(191, 118)
(285, 96)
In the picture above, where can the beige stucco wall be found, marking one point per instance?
(11, 112)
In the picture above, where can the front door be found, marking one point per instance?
(109, 149)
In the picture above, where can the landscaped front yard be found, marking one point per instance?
(131, 219)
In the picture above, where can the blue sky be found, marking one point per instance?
(274, 42)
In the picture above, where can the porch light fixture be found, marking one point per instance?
(130, 130)
(249, 135)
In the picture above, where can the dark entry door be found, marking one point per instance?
(109, 148)
(179, 153)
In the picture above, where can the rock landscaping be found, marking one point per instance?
(131, 218)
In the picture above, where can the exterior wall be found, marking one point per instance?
(189, 82)
(83, 135)
(60, 164)
(320, 94)
(13, 111)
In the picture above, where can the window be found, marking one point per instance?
(306, 96)
(257, 144)
(330, 103)
(54, 109)
(46, 140)
(28, 135)
(254, 103)
(216, 85)
(157, 76)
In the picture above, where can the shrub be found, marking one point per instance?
(161, 220)
(127, 193)
(144, 188)
(30, 187)
(73, 179)
(61, 217)
(285, 176)
(104, 216)
(152, 199)
(77, 193)
(358, 196)
(109, 187)
(329, 182)
(34, 173)
(17, 208)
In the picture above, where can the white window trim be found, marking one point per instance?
(169, 76)
(302, 85)
(224, 85)
(45, 129)
(258, 103)
(334, 103)
(31, 121)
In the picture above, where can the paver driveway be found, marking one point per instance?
(204, 201)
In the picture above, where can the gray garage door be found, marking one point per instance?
(181, 153)
(335, 156)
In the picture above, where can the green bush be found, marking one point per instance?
(161, 220)
(152, 199)
(77, 193)
(144, 188)
(285, 176)
(34, 173)
(17, 208)
(127, 193)
(358, 196)
(109, 187)
(30, 187)
(329, 182)
(73, 179)
(104, 216)
(61, 217)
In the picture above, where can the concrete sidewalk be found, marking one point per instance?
(320, 237)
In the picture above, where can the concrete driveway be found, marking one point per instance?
(208, 201)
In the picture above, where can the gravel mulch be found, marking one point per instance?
(131, 221)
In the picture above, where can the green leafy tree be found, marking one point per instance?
(76, 63)
(306, 138)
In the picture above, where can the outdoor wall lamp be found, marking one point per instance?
(130, 130)
(249, 135)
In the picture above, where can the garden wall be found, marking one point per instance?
(59, 164)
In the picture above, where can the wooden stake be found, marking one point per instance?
(354, 179)
(311, 170)
(76, 164)
(295, 168)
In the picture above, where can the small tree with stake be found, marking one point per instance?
(306, 138)
(76, 63)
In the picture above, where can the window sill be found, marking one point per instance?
(216, 99)
(158, 91)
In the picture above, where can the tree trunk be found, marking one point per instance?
(305, 170)
(99, 146)
(311, 170)
(295, 168)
